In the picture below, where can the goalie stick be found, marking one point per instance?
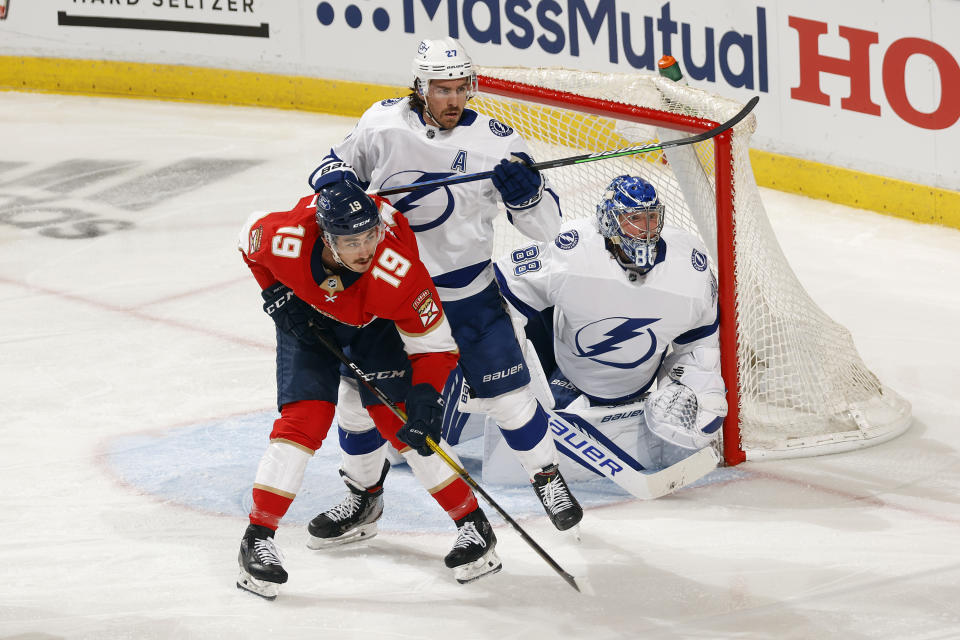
(460, 471)
(588, 157)
(584, 444)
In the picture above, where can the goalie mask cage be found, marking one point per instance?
(796, 385)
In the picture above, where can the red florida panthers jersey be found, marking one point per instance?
(285, 246)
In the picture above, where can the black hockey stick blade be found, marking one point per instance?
(460, 471)
(587, 157)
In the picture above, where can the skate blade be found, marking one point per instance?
(487, 565)
(262, 588)
(357, 534)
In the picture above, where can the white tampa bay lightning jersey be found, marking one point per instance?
(392, 146)
(610, 333)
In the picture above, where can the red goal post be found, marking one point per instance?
(795, 383)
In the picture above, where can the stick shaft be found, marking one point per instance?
(587, 157)
(382, 397)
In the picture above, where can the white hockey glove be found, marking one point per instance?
(688, 407)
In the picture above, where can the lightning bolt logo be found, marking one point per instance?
(615, 338)
(411, 200)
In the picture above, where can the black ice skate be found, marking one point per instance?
(353, 520)
(473, 555)
(261, 565)
(564, 510)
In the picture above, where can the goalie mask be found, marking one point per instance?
(350, 221)
(631, 217)
(443, 59)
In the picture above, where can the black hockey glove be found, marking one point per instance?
(520, 186)
(424, 418)
(292, 315)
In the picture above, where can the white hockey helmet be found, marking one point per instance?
(442, 59)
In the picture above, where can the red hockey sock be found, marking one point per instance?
(457, 499)
(268, 508)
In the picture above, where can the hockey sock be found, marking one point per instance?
(532, 443)
(457, 499)
(295, 436)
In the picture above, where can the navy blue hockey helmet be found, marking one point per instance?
(631, 217)
(344, 209)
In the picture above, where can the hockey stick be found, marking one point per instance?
(382, 397)
(589, 157)
(581, 443)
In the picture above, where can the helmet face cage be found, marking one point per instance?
(631, 216)
(443, 59)
(344, 210)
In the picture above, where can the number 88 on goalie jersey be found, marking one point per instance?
(612, 327)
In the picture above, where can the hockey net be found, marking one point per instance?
(796, 384)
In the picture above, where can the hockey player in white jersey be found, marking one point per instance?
(632, 301)
(430, 134)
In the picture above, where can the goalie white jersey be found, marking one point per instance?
(612, 327)
(392, 146)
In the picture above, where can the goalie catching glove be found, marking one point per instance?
(424, 418)
(292, 315)
(520, 186)
(688, 407)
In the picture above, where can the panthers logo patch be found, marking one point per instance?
(427, 309)
(500, 129)
(255, 236)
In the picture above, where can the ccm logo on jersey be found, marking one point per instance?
(490, 377)
(567, 435)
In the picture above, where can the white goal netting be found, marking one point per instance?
(800, 387)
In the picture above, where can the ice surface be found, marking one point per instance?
(137, 390)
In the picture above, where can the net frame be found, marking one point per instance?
(870, 413)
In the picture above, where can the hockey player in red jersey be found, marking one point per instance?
(343, 263)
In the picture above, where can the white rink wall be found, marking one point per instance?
(869, 85)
